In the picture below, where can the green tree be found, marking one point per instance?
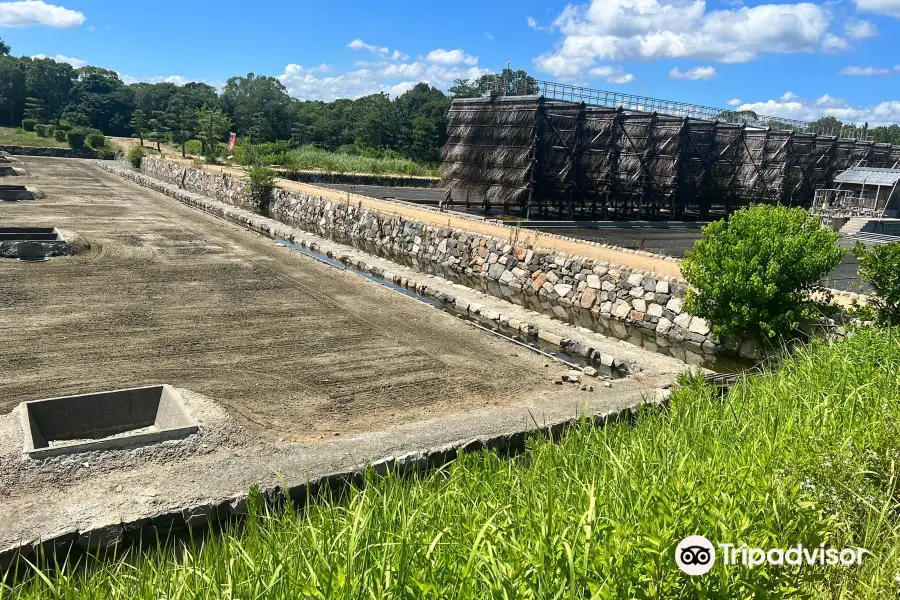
(755, 272)
(34, 109)
(244, 98)
(159, 128)
(139, 124)
(100, 101)
(880, 267)
(373, 122)
(4, 48)
(12, 91)
(212, 125)
(51, 82)
(181, 119)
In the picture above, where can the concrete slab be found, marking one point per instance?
(33, 243)
(104, 421)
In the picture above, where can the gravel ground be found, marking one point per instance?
(291, 368)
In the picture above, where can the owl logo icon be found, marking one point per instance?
(695, 555)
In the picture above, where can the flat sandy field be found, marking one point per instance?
(167, 294)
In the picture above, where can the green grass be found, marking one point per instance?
(319, 159)
(310, 157)
(10, 136)
(807, 453)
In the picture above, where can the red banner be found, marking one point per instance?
(231, 142)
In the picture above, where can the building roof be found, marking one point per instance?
(869, 176)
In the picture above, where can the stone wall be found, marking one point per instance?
(571, 287)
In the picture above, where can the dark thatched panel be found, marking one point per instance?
(551, 157)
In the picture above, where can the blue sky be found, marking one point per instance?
(797, 60)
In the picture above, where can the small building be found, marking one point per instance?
(860, 192)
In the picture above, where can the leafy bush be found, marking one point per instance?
(135, 155)
(260, 183)
(755, 273)
(60, 135)
(880, 267)
(28, 124)
(194, 147)
(41, 130)
(96, 140)
(76, 139)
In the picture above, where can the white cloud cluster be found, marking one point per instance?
(735, 102)
(451, 57)
(860, 30)
(176, 79)
(694, 74)
(28, 13)
(382, 51)
(864, 71)
(394, 74)
(75, 62)
(791, 106)
(611, 74)
(666, 29)
(890, 8)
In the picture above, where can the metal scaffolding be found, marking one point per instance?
(539, 155)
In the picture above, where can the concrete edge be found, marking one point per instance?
(161, 525)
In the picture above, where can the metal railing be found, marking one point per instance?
(526, 86)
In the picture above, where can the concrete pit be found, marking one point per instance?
(32, 243)
(15, 193)
(104, 421)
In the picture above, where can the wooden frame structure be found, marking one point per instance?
(546, 157)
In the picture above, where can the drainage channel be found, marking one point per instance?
(506, 333)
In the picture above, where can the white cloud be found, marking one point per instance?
(35, 12)
(533, 24)
(611, 74)
(660, 29)
(890, 8)
(488, 35)
(883, 113)
(451, 57)
(306, 83)
(384, 51)
(834, 44)
(860, 30)
(694, 74)
(176, 79)
(735, 102)
(75, 62)
(864, 71)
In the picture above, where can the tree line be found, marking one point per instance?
(414, 125)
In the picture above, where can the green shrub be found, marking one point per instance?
(194, 147)
(96, 140)
(60, 135)
(76, 139)
(880, 267)
(135, 155)
(755, 272)
(28, 124)
(41, 130)
(260, 183)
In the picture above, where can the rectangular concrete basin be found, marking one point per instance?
(7, 170)
(15, 193)
(104, 421)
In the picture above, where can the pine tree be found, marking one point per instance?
(139, 124)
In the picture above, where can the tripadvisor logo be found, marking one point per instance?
(696, 555)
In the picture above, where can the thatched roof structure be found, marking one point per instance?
(554, 157)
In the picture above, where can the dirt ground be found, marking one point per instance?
(166, 294)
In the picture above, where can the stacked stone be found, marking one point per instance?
(646, 301)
